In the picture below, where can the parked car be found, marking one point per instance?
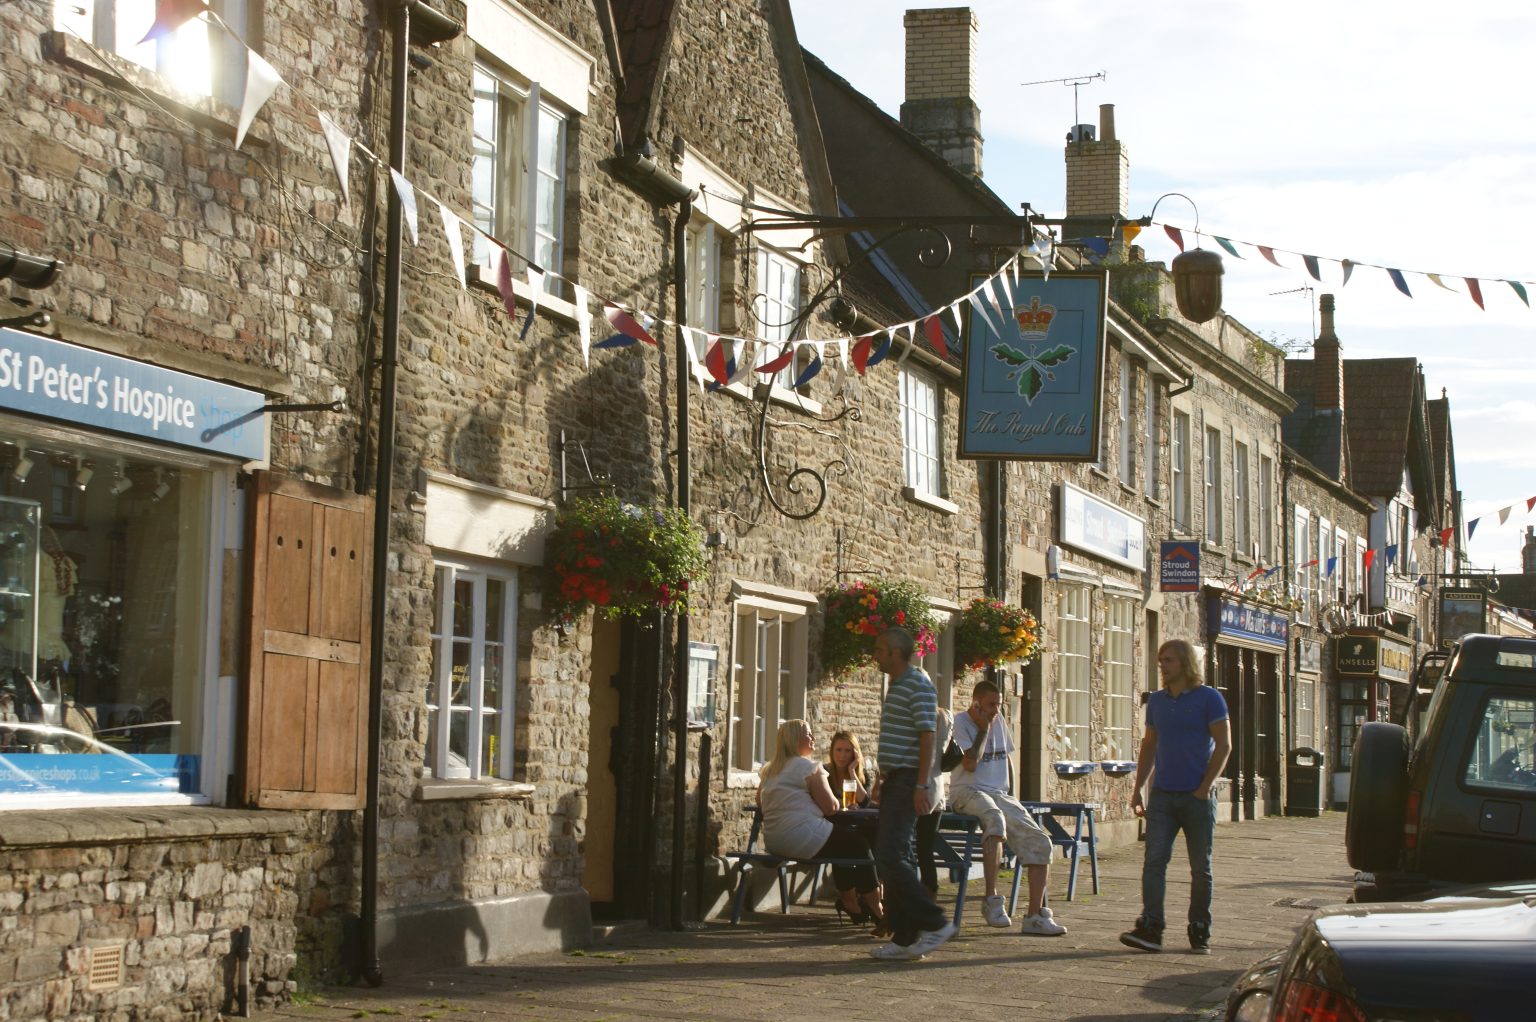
(1462, 957)
(1457, 804)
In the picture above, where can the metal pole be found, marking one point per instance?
(383, 502)
(680, 662)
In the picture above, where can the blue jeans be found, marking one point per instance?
(1167, 813)
(909, 908)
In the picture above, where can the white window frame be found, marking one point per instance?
(1324, 551)
(777, 302)
(1338, 586)
(1120, 675)
(1180, 436)
(1127, 448)
(485, 725)
(1306, 713)
(1362, 576)
(1074, 651)
(1213, 502)
(1150, 475)
(1266, 506)
(198, 59)
(921, 431)
(1242, 499)
(524, 207)
(1303, 546)
(940, 664)
(705, 248)
(769, 658)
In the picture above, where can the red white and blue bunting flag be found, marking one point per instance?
(261, 80)
(810, 371)
(785, 356)
(407, 192)
(1313, 264)
(171, 15)
(339, 144)
(453, 230)
(584, 324)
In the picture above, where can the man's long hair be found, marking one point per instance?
(1188, 661)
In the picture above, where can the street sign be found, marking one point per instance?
(1180, 571)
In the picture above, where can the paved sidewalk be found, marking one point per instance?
(807, 966)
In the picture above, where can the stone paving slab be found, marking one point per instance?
(808, 967)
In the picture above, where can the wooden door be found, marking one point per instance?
(305, 706)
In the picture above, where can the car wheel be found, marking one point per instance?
(1378, 789)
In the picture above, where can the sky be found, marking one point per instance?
(1400, 134)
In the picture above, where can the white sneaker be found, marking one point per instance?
(894, 952)
(928, 940)
(1042, 925)
(994, 913)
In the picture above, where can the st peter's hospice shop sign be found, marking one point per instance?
(42, 376)
(1033, 363)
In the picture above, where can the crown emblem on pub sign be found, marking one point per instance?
(1035, 319)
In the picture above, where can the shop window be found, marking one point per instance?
(1352, 707)
(105, 595)
(470, 696)
(920, 432)
(1180, 459)
(770, 654)
(1120, 677)
(518, 171)
(198, 59)
(1073, 652)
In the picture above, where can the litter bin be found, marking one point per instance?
(1303, 782)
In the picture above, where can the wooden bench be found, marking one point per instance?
(1073, 844)
(959, 845)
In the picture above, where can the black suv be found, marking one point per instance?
(1458, 804)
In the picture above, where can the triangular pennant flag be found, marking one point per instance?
(785, 356)
(1224, 243)
(809, 372)
(842, 351)
(1519, 290)
(906, 351)
(1370, 555)
(1015, 265)
(1000, 298)
(954, 311)
(861, 354)
(504, 283)
(1434, 278)
(981, 312)
(1530, 504)
(1391, 554)
(584, 322)
(1397, 278)
(1311, 262)
(935, 331)
(1475, 290)
(453, 228)
(1310, 563)
(1332, 563)
(1471, 528)
(1423, 581)
(1268, 253)
(1504, 514)
(1445, 535)
(1175, 235)
(340, 145)
(535, 289)
(741, 367)
(882, 349)
(407, 193)
(715, 361)
(625, 323)
(261, 80)
(171, 15)
(616, 341)
(1046, 253)
(1348, 266)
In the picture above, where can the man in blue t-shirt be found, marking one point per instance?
(1185, 747)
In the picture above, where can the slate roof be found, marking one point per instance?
(644, 30)
(1384, 398)
(1317, 436)
(1438, 411)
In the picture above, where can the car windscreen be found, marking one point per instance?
(1503, 756)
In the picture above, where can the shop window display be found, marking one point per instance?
(103, 562)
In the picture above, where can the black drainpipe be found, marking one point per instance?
(433, 27)
(680, 664)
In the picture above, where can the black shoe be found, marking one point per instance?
(1143, 938)
(1199, 941)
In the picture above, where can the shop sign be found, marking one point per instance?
(1098, 527)
(1396, 660)
(1034, 361)
(81, 386)
(1243, 621)
(107, 772)
(1180, 567)
(1357, 656)
(1462, 612)
(1309, 655)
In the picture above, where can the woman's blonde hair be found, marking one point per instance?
(787, 747)
(1188, 663)
(856, 768)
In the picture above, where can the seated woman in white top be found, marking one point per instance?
(796, 801)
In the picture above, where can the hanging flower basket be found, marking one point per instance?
(992, 633)
(622, 559)
(858, 612)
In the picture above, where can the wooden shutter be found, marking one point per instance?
(306, 695)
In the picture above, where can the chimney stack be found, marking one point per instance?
(1098, 170)
(1327, 362)
(940, 106)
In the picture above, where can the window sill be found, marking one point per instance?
(928, 500)
(1152, 501)
(454, 790)
(777, 395)
(110, 825)
(740, 779)
(1099, 471)
(204, 111)
(1213, 548)
(1130, 490)
(484, 278)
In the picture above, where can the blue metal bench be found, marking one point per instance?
(1072, 844)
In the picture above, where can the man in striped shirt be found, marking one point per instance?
(906, 753)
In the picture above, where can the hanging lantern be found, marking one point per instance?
(1197, 284)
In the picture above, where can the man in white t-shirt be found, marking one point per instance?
(979, 787)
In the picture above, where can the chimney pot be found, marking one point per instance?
(1106, 122)
(940, 105)
(1327, 361)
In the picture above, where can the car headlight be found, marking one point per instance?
(1254, 1007)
